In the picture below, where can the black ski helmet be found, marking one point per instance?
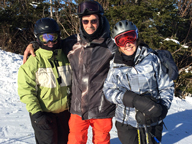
(123, 26)
(46, 25)
(89, 7)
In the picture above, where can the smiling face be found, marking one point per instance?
(92, 25)
(129, 48)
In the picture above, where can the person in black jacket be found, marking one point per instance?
(89, 54)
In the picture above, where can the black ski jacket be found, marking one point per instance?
(90, 65)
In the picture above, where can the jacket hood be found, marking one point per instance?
(105, 34)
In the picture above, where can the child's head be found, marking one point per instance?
(125, 34)
(47, 32)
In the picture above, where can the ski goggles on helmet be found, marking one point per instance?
(128, 36)
(91, 6)
(45, 38)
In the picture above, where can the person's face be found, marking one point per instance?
(90, 23)
(50, 44)
(129, 48)
(48, 39)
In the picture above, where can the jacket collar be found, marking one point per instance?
(141, 53)
(50, 54)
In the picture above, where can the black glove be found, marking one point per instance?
(146, 119)
(35, 45)
(42, 120)
(128, 98)
(143, 103)
(164, 112)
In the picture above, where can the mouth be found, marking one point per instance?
(90, 29)
(128, 49)
(50, 45)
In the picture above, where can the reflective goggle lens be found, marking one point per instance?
(48, 37)
(89, 5)
(124, 38)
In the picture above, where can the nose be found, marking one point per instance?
(89, 24)
(127, 44)
(50, 42)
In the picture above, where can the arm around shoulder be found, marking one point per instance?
(30, 50)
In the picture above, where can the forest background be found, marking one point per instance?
(162, 24)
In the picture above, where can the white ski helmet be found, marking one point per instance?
(123, 26)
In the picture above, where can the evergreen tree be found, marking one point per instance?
(155, 19)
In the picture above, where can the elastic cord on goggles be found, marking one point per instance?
(128, 36)
(89, 5)
(45, 38)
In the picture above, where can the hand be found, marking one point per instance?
(42, 120)
(29, 50)
(145, 119)
(144, 103)
(164, 112)
(147, 106)
(128, 98)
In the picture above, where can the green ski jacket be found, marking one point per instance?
(44, 82)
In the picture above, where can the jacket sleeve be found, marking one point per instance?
(112, 91)
(67, 44)
(27, 87)
(111, 45)
(165, 85)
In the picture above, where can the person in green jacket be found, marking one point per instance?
(44, 85)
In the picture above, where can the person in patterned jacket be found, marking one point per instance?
(89, 54)
(44, 85)
(137, 85)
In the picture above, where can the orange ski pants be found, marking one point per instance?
(78, 130)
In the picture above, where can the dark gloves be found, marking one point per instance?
(147, 106)
(129, 98)
(35, 45)
(42, 120)
(146, 119)
(143, 103)
(164, 112)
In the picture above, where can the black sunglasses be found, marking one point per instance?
(93, 21)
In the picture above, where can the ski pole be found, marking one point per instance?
(139, 136)
(138, 131)
(155, 138)
(146, 134)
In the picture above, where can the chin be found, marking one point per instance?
(90, 33)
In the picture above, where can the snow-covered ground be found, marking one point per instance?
(15, 126)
